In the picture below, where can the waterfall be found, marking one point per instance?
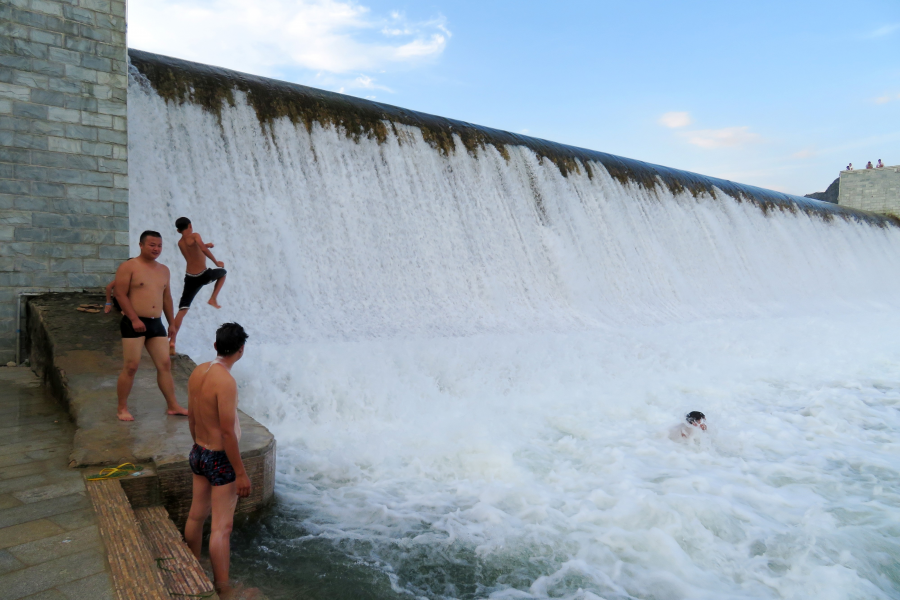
(470, 346)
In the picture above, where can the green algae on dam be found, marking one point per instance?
(212, 88)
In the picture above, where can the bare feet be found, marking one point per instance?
(124, 415)
(212, 302)
(177, 411)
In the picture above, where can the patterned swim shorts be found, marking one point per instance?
(212, 464)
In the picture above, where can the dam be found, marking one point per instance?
(470, 345)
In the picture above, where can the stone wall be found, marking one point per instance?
(874, 190)
(63, 149)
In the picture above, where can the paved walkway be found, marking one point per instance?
(50, 548)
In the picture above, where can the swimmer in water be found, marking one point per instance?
(684, 431)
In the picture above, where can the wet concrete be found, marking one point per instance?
(79, 356)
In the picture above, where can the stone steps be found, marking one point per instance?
(147, 556)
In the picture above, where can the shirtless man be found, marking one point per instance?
(215, 459)
(195, 252)
(693, 420)
(142, 291)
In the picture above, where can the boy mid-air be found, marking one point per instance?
(196, 275)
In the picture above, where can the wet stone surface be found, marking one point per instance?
(49, 545)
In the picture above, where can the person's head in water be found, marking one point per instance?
(230, 339)
(182, 224)
(151, 244)
(697, 419)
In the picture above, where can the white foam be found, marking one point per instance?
(454, 378)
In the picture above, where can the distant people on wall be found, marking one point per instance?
(850, 167)
(880, 164)
(869, 165)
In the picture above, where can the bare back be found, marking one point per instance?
(191, 248)
(212, 405)
(145, 283)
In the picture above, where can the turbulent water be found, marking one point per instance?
(471, 364)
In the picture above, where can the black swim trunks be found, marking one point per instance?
(155, 328)
(193, 283)
(212, 464)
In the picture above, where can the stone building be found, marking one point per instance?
(874, 190)
(63, 149)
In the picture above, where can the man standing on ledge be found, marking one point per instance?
(195, 253)
(142, 290)
(215, 459)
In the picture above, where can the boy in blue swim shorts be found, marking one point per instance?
(215, 459)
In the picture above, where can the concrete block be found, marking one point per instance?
(64, 26)
(82, 103)
(58, 144)
(80, 15)
(32, 49)
(81, 45)
(120, 123)
(94, 265)
(15, 92)
(121, 209)
(80, 132)
(22, 63)
(46, 37)
(82, 192)
(48, 159)
(26, 17)
(48, 190)
(39, 219)
(16, 249)
(120, 152)
(113, 195)
(96, 120)
(64, 85)
(32, 203)
(101, 92)
(81, 74)
(113, 137)
(114, 252)
(15, 124)
(95, 178)
(92, 149)
(64, 115)
(51, 69)
(31, 264)
(96, 63)
(112, 80)
(98, 34)
(86, 163)
(120, 223)
(13, 186)
(31, 80)
(15, 155)
(105, 209)
(15, 279)
(7, 264)
(86, 221)
(111, 107)
(8, 170)
(5, 107)
(66, 265)
(113, 166)
(7, 233)
(64, 175)
(28, 110)
(62, 55)
(89, 280)
(81, 250)
(50, 8)
(48, 98)
(50, 281)
(14, 30)
(122, 239)
(117, 8)
(15, 217)
(31, 234)
(49, 250)
(121, 181)
(7, 201)
(26, 140)
(111, 51)
(30, 173)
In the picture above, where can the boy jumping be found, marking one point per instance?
(195, 252)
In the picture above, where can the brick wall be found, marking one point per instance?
(875, 190)
(63, 149)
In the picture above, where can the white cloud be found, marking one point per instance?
(885, 30)
(728, 137)
(675, 119)
(886, 98)
(805, 153)
(277, 36)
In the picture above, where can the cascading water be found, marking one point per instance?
(470, 362)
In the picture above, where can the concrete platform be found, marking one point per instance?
(49, 540)
(79, 357)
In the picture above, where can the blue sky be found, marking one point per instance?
(776, 94)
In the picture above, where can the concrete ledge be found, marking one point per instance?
(78, 355)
